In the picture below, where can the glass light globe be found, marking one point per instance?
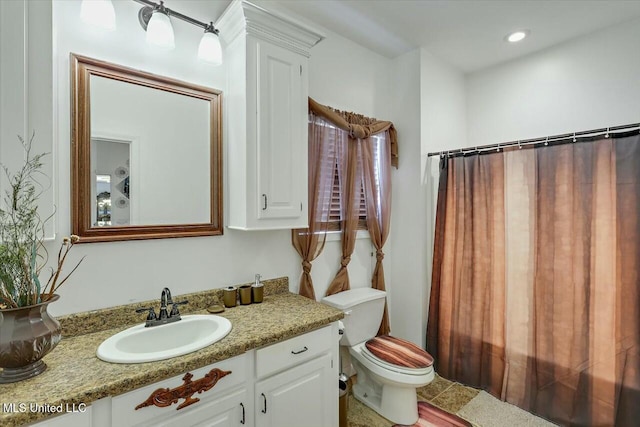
(98, 13)
(160, 31)
(209, 49)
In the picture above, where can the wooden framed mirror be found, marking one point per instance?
(146, 155)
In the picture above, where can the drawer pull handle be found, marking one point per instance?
(163, 397)
(242, 421)
(264, 198)
(300, 351)
(264, 400)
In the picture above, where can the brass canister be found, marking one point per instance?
(245, 294)
(230, 296)
(257, 293)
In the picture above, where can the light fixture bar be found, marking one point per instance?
(180, 16)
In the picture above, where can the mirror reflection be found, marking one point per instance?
(169, 134)
(148, 156)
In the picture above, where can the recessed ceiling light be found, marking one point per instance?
(516, 36)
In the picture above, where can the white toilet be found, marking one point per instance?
(389, 369)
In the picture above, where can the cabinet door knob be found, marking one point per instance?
(243, 419)
(264, 401)
(264, 200)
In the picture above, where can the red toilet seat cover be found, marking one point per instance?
(399, 352)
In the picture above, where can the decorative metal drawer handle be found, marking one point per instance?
(163, 397)
(242, 421)
(300, 351)
(264, 208)
(264, 399)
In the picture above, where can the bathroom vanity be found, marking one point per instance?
(277, 367)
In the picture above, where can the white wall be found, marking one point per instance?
(145, 267)
(26, 96)
(430, 100)
(403, 262)
(192, 264)
(584, 84)
(347, 76)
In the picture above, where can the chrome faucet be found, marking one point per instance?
(164, 316)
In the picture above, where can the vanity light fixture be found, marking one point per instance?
(158, 26)
(516, 36)
(98, 13)
(210, 49)
(155, 19)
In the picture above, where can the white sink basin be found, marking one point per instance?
(139, 344)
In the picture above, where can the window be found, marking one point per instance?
(335, 209)
(328, 157)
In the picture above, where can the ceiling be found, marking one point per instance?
(467, 34)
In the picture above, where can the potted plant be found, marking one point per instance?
(27, 331)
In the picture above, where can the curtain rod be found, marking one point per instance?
(573, 137)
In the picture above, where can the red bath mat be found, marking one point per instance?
(431, 416)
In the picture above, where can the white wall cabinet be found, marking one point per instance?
(282, 134)
(266, 55)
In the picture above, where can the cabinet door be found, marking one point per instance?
(230, 411)
(77, 419)
(124, 412)
(282, 133)
(301, 396)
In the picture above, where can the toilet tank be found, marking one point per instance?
(363, 309)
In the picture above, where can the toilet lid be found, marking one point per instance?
(399, 352)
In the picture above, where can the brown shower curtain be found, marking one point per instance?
(536, 288)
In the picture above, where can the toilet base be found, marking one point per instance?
(398, 405)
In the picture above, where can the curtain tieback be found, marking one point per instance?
(345, 261)
(306, 266)
(379, 255)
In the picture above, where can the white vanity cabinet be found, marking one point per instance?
(297, 381)
(81, 418)
(292, 383)
(266, 130)
(224, 404)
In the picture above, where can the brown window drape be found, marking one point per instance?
(376, 156)
(358, 126)
(536, 281)
(365, 150)
(309, 242)
(350, 174)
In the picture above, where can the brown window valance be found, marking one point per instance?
(358, 125)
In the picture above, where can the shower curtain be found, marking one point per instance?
(536, 279)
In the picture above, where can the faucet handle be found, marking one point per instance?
(174, 308)
(151, 315)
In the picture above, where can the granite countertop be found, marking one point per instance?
(75, 375)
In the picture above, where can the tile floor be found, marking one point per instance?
(443, 393)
